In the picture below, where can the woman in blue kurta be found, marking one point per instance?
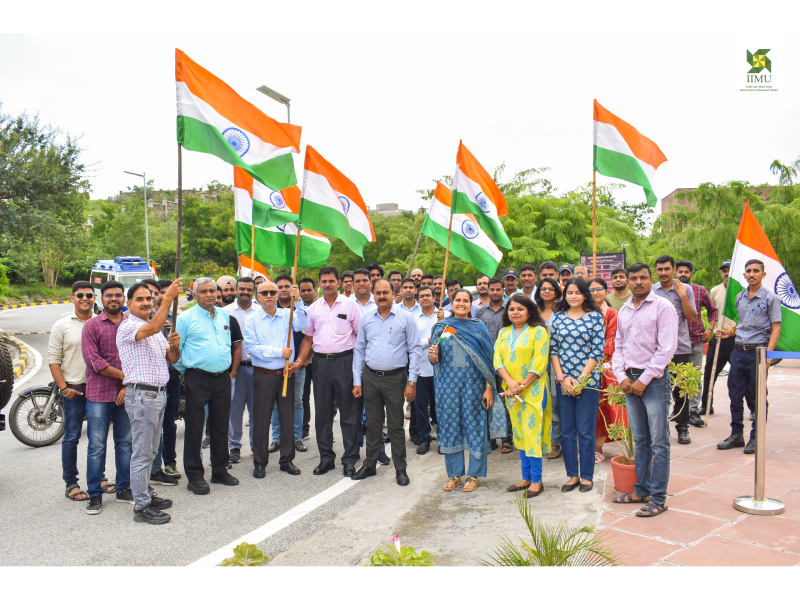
(468, 408)
(576, 347)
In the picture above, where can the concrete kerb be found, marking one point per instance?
(13, 306)
(22, 362)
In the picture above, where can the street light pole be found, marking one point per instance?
(278, 97)
(146, 228)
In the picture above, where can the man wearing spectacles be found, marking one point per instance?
(104, 406)
(69, 372)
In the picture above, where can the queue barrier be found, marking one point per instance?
(758, 503)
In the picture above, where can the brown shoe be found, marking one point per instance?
(452, 484)
(531, 494)
(471, 484)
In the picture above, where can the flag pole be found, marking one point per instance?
(252, 242)
(239, 266)
(710, 395)
(414, 255)
(594, 223)
(291, 310)
(446, 256)
(178, 249)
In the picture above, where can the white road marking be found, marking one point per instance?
(34, 370)
(278, 523)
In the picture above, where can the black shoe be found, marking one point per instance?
(235, 455)
(415, 440)
(349, 470)
(402, 478)
(683, 436)
(274, 447)
(125, 496)
(423, 448)
(751, 446)
(306, 434)
(206, 442)
(697, 420)
(752, 416)
(198, 486)
(363, 473)
(160, 503)
(568, 487)
(586, 487)
(383, 459)
(324, 468)
(386, 439)
(150, 514)
(300, 446)
(161, 478)
(290, 469)
(95, 505)
(260, 471)
(734, 441)
(226, 479)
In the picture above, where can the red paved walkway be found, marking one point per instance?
(701, 526)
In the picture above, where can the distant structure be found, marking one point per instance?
(668, 201)
(165, 201)
(390, 209)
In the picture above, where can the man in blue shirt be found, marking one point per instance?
(265, 336)
(206, 361)
(388, 346)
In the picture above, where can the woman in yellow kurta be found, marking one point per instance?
(521, 355)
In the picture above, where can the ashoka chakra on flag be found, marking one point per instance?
(237, 139)
(785, 290)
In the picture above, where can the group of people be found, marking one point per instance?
(515, 368)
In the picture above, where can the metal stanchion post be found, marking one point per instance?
(759, 504)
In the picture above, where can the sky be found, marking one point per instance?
(386, 91)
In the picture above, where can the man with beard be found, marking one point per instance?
(388, 347)
(416, 275)
(621, 293)
(227, 285)
(697, 333)
(104, 407)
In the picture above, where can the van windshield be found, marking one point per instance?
(129, 280)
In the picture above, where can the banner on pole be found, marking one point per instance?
(606, 262)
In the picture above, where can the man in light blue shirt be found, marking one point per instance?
(205, 361)
(265, 337)
(387, 344)
(408, 290)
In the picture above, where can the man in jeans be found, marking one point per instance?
(104, 406)
(69, 372)
(647, 336)
(144, 354)
(241, 311)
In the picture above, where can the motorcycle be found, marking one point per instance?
(37, 416)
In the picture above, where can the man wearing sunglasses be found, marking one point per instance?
(69, 372)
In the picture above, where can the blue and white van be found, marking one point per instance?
(125, 269)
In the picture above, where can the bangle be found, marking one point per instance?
(561, 379)
(66, 387)
(733, 331)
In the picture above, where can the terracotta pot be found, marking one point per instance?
(624, 476)
(705, 348)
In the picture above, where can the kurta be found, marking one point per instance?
(531, 419)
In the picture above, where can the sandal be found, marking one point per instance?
(531, 494)
(628, 499)
(555, 453)
(81, 496)
(651, 509)
(599, 457)
(108, 488)
(452, 484)
(517, 488)
(507, 448)
(471, 484)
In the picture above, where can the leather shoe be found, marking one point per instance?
(586, 487)
(226, 479)
(290, 469)
(683, 436)
(415, 440)
(734, 441)
(363, 473)
(751, 446)
(199, 487)
(568, 487)
(260, 471)
(697, 420)
(274, 447)
(402, 478)
(348, 470)
(300, 446)
(151, 515)
(324, 468)
(423, 448)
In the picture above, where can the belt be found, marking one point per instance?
(215, 375)
(747, 347)
(246, 363)
(635, 372)
(147, 388)
(385, 373)
(269, 371)
(334, 355)
(77, 386)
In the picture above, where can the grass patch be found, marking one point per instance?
(25, 294)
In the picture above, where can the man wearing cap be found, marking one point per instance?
(227, 286)
(510, 278)
(566, 272)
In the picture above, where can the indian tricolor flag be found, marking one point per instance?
(214, 119)
(620, 151)
(251, 268)
(275, 245)
(333, 205)
(753, 243)
(468, 241)
(476, 193)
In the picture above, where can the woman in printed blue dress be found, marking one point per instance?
(576, 348)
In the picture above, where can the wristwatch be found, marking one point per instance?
(411, 383)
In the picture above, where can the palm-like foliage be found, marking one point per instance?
(553, 545)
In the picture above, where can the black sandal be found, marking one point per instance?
(76, 497)
(651, 509)
(507, 448)
(108, 485)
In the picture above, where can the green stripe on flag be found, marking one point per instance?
(460, 247)
(276, 248)
(328, 221)
(277, 173)
(625, 167)
(462, 204)
(264, 215)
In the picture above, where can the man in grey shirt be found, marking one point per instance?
(682, 298)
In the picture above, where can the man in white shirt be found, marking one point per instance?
(407, 291)
(423, 405)
(363, 291)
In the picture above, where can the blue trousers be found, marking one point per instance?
(578, 416)
(454, 463)
(101, 416)
(742, 379)
(648, 417)
(299, 385)
(169, 432)
(74, 411)
(531, 467)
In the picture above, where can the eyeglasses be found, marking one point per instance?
(547, 289)
(597, 289)
(268, 293)
(81, 296)
(114, 296)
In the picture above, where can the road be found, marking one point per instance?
(302, 520)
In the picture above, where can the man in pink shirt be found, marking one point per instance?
(647, 337)
(332, 332)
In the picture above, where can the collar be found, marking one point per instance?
(422, 313)
(658, 286)
(235, 305)
(104, 317)
(135, 319)
(76, 317)
(759, 293)
(416, 304)
(264, 314)
(392, 311)
(489, 305)
(650, 298)
(355, 298)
